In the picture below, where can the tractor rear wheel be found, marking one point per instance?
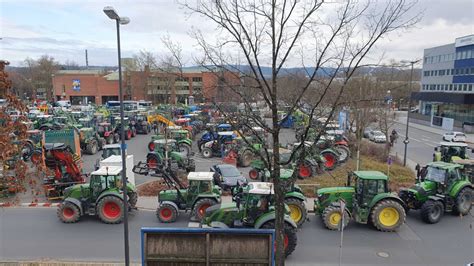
(91, 147)
(332, 217)
(68, 212)
(110, 210)
(152, 160)
(199, 209)
(388, 215)
(132, 199)
(166, 213)
(191, 165)
(206, 152)
(184, 148)
(298, 211)
(290, 239)
(246, 158)
(432, 211)
(331, 160)
(463, 201)
(344, 153)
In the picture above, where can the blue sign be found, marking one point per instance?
(76, 85)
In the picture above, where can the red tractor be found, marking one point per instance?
(66, 167)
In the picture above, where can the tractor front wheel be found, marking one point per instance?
(206, 152)
(110, 210)
(388, 215)
(304, 171)
(166, 213)
(290, 239)
(117, 138)
(199, 209)
(110, 139)
(463, 201)
(330, 160)
(254, 174)
(432, 211)
(298, 211)
(68, 212)
(191, 165)
(132, 199)
(332, 217)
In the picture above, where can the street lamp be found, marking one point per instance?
(406, 141)
(112, 14)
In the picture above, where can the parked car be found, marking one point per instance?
(228, 175)
(378, 137)
(454, 137)
(367, 132)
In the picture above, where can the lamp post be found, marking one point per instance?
(112, 14)
(406, 141)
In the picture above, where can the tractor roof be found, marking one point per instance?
(108, 170)
(225, 133)
(163, 141)
(201, 176)
(261, 188)
(453, 144)
(111, 146)
(174, 127)
(443, 165)
(373, 175)
(306, 143)
(464, 161)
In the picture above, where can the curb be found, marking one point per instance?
(29, 205)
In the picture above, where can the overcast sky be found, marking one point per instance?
(65, 28)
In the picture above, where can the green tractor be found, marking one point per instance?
(179, 159)
(367, 201)
(252, 208)
(450, 151)
(294, 197)
(441, 187)
(181, 136)
(102, 197)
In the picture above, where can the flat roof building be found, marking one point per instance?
(447, 85)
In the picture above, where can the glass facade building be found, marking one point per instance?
(447, 82)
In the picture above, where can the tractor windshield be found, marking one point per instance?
(435, 174)
(109, 152)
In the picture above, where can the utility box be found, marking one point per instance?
(116, 160)
(207, 246)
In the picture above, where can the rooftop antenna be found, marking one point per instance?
(87, 61)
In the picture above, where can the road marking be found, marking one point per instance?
(406, 233)
(194, 224)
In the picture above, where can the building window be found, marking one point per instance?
(197, 79)
(450, 87)
(470, 87)
(441, 72)
(181, 79)
(465, 87)
(64, 88)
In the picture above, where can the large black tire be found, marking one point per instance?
(153, 160)
(432, 211)
(27, 150)
(290, 236)
(331, 217)
(110, 210)
(246, 158)
(166, 213)
(390, 207)
(134, 132)
(110, 139)
(92, 147)
(68, 212)
(199, 208)
(298, 212)
(117, 138)
(463, 203)
(206, 152)
(132, 199)
(184, 148)
(191, 165)
(344, 153)
(102, 142)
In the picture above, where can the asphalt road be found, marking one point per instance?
(38, 234)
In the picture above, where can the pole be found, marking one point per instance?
(122, 149)
(406, 141)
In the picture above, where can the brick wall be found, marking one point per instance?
(91, 85)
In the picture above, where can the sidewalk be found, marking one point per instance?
(401, 118)
(151, 203)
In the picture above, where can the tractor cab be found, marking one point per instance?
(255, 199)
(111, 149)
(224, 127)
(160, 145)
(105, 178)
(449, 151)
(225, 136)
(368, 184)
(77, 115)
(86, 122)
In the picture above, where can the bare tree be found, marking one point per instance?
(332, 36)
(39, 73)
(145, 59)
